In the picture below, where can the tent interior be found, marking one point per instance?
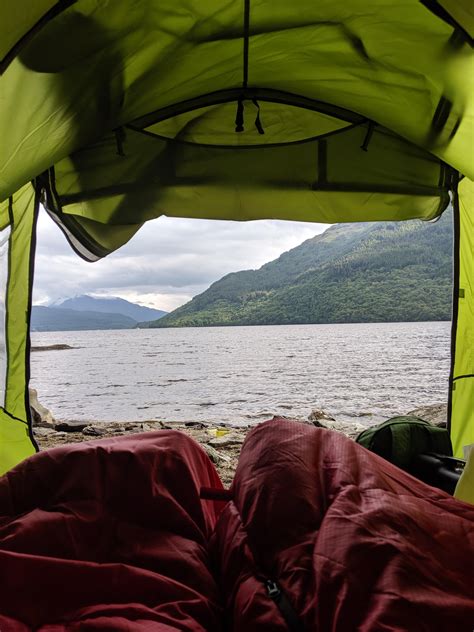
(115, 113)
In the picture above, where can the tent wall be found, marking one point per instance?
(462, 377)
(114, 63)
(20, 21)
(316, 111)
(17, 239)
(356, 172)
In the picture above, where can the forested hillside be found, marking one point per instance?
(367, 272)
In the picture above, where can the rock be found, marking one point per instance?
(437, 414)
(43, 432)
(350, 429)
(215, 456)
(39, 413)
(226, 441)
(147, 427)
(94, 431)
(71, 426)
(317, 415)
(195, 424)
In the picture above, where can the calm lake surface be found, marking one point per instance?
(242, 375)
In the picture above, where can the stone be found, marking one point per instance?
(71, 426)
(43, 432)
(437, 414)
(350, 429)
(147, 427)
(94, 431)
(317, 415)
(215, 456)
(226, 441)
(39, 413)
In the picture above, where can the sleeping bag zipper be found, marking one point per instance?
(284, 606)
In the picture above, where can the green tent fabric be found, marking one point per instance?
(17, 229)
(458, 12)
(462, 375)
(20, 21)
(316, 111)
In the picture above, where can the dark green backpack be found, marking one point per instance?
(401, 439)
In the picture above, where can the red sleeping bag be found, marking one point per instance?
(351, 541)
(109, 535)
(321, 535)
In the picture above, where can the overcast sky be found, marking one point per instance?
(167, 263)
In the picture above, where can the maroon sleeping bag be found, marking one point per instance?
(347, 540)
(112, 535)
(109, 535)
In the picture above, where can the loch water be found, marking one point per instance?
(243, 375)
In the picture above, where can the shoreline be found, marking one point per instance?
(221, 442)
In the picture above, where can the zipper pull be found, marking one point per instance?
(281, 601)
(273, 589)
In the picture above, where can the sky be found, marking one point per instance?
(166, 263)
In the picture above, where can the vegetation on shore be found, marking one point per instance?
(366, 272)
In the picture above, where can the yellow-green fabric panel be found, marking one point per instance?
(98, 66)
(309, 207)
(17, 17)
(15, 441)
(462, 11)
(102, 239)
(214, 124)
(459, 81)
(353, 174)
(462, 421)
(18, 297)
(462, 416)
(464, 361)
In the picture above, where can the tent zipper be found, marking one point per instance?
(281, 601)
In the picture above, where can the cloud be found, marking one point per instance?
(167, 263)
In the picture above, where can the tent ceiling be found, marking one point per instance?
(136, 106)
(21, 20)
(458, 13)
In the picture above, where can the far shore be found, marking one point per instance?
(56, 347)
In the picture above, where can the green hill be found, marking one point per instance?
(366, 272)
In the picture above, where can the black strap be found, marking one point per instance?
(119, 138)
(258, 122)
(239, 117)
(287, 611)
(368, 136)
(246, 43)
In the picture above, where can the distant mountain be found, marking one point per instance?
(112, 305)
(365, 272)
(60, 319)
(86, 312)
